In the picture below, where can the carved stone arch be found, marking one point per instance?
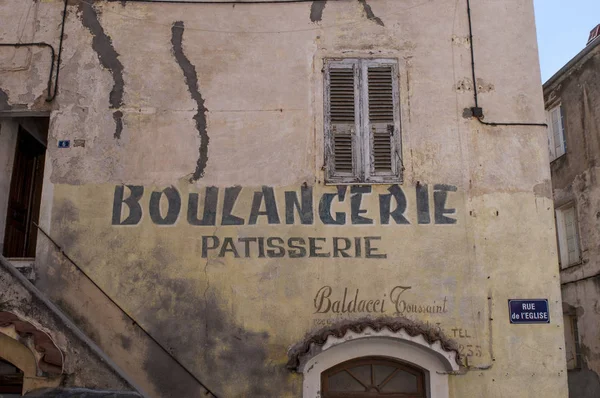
(398, 338)
(50, 357)
(41, 364)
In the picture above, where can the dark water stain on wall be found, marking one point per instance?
(65, 217)
(118, 117)
(109, 59)
(191, 80)
(193, 325)
(316, 10)
(370, 13)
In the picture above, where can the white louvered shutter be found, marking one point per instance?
(382, 122)
(557, 130)
(572, 245)
(341, 120)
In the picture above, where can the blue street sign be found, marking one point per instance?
(64, 143)
(529, 311)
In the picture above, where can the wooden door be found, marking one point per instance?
(24, 197)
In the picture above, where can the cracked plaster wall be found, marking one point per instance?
(244, 83)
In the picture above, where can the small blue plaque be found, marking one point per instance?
(64, 143)
(529, 311)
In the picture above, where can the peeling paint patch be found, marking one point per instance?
(543, 190)
(109, 59)
(370, 13)
(463, 41)
(484, 87)
(191, 79)
(4, 105)
(464, 85)
(316, 10)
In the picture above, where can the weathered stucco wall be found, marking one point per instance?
(63, 358)
(178, 99)
(575, 179)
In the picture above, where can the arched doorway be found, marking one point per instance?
(371, 377)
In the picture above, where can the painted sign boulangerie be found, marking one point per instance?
(266, 205)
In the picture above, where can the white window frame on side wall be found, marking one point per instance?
(557, 145)
(567, 229)
(572, 344)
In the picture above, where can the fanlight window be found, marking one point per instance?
(373, 377)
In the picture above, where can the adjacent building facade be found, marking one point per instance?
(282, 199)
(572, 98)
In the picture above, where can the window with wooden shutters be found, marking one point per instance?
(362, 121)
(557, 145)
(568, 236)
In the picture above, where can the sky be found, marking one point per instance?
(563, 28)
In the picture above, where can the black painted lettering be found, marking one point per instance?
(423, 214)
(270, 211)
(206, 247)
(400, 305)
(305, 209)
(357, 248)
(261, 247)
(173, 206)
(228, 247)
(385, 202)
(355, 202)
(314, 249)
(231, 195)
(132, 202)
(440, 196)
(209, 217)
(325, 207)
(370, 252)
(246, 242)
(296, 250)
(337, 250)
(275, 243)
(322, 301)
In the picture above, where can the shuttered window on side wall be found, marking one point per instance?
(568, 236)
(362, 121)
(556, 132)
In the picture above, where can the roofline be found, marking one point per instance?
(595, 43)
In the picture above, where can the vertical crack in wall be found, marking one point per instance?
(191, 79)
(370, 13)
(109, 59)
(316, 10)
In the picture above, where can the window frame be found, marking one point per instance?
(572, 340)
(362, 139)
(562, 238)
(562, 149)
(419, 374)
